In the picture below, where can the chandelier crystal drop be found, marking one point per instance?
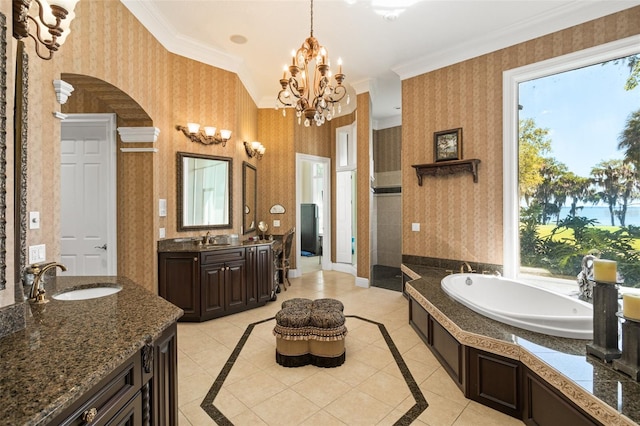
(307, 83)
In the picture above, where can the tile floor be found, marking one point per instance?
(368, 389)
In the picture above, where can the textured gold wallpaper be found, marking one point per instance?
(459, 219)
(387, 149)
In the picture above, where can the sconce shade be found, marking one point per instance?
(254, 149)
(193, 127)
(52, 19)
(207, 136)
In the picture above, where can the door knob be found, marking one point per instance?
(102, 247)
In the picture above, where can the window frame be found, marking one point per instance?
(510, 81)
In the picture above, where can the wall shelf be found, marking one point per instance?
(447, 168)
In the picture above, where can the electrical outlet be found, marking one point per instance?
(37, 253)
(415, 227)
(276, 224)
(162, 233)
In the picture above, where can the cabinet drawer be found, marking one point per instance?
(218, 256)
(108, 397)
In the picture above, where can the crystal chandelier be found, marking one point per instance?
(315, 99)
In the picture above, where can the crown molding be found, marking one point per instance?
(152, 150)
(539, 25)
(138, 134)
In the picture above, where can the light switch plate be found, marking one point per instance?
(415, 227)
(34, 220)
(162, 207)
(276, 224)
(37, 253)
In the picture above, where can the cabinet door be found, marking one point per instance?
(235, 289)
(179, 282)
(252, 275)
(165, 378)
(212, 279)
(264, 273)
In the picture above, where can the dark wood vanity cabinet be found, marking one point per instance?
(211, 284)
(141, 391)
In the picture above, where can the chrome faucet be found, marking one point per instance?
(37, 294)
(468, 267)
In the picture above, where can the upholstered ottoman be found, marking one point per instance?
(310, 332)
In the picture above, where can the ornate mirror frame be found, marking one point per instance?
(249, 197)
(180, 191)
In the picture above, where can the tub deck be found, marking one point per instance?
(605, 394)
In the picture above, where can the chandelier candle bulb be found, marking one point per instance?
(631, 306)
(605, 271)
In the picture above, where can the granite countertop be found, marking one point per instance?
(604, 393)
(193, 245)
(69, 346)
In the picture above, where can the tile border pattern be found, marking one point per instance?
(406, 419)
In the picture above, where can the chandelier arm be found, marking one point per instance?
(284, 103)
(311, 18)
(340, 91)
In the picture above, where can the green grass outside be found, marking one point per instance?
(545, 231)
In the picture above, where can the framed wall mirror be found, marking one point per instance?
(249, 197)
(204, 191)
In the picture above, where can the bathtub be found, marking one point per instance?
(522, 305)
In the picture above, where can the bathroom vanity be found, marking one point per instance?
(212, 280)
(107, 360)
(541, 379)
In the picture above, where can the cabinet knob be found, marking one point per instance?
(89, 415)
(195, 259)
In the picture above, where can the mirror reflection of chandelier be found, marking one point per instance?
(311, 95)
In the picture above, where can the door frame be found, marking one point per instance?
(109, 122)
(326, 237)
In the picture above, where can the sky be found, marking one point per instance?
(584, 109)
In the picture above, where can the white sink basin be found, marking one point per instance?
(87, 293)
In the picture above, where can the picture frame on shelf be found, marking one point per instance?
(447, 145)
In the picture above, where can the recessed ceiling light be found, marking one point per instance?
(238, 39)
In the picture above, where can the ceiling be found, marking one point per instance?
(381, 42)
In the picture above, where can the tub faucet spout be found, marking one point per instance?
(467, 266)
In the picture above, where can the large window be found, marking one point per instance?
(576, 189)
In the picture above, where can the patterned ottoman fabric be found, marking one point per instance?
(310, 332)
(297, 302)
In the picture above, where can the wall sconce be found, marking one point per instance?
(254, 149)
(207, 136)
(52, 21)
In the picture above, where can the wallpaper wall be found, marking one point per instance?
(460, 219)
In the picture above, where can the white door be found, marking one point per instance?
(343, 217)
(87, 204)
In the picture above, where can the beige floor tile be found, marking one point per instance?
(358, 408)
(478, 414)
(352, 372)
(255, 388)
(228, 404)
(291, 376)
(286, 408)
(374, 356)
(195, 415)
(182, 420)
(386, 388)
(193, 388)
(248, 418)
(322, 418)
(441, 411)
(440, 383)
(322, 388)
